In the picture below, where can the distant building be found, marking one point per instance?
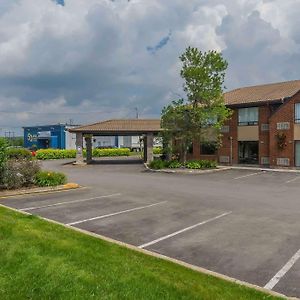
(49, 136)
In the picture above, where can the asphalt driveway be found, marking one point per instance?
(241, 223)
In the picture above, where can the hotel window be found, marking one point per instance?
(248, 116)
(297, 113)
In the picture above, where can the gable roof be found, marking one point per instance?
(262, 93)
(121, 126)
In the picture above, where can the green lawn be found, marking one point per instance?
(41, 260)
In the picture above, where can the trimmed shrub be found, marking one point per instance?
(48, 178)
(18, 153)
(157, 150)
(111, 152)
(55, 154)
(44, 154)
(201, 164)
(158, 164)
(174, 164)
(20, 173)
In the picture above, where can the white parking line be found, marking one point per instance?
(67, 202)
(283, 271)
(248, 175)
(292, 180)
(116, 213)
(183, 230)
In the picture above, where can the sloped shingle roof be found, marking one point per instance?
(262, 93)
(121, 125)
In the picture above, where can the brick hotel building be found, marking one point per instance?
(264, 128)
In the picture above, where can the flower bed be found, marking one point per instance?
(174, 164)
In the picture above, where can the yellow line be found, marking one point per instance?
(39, 193)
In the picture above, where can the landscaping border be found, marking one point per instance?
(163, 257)
(187, 171)
(36, 190)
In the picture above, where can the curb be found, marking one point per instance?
(65, 187)
(187, 171)
(265, 169)
(163, 257)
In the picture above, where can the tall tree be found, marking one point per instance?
(201, 116)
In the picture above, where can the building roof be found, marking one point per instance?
(121, 126)
(262, 93)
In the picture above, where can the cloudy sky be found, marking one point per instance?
(98, 59)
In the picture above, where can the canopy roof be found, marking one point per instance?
(121, 126)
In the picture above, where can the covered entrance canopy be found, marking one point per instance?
(148, 128)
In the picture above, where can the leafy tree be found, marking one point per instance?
(202, 114)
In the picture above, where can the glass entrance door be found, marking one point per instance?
(297, 153)
(248, 152)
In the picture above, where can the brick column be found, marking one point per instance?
(79, 148)
(149, 146)
(89, 150)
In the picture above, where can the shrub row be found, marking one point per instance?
(18, 153)
(194, 164)
(48, 178)
(63, 153)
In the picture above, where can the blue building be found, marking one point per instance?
(49, 136)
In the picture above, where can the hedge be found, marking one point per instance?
(173, 164)
(18, 153)
(44, 154)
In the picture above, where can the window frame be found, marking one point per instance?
(248, 123)
(297, 118)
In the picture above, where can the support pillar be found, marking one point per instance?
(89, 149)
(79, 148)
(149, 147)
(145, 148)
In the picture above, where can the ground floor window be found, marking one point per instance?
(208, 148)
(297, 153)
(248, 153)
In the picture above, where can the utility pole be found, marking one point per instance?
(136, 112)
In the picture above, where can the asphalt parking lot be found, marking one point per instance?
(241, 223)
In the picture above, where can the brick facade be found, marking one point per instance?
(274, 118)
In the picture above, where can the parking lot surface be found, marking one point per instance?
(241, 223)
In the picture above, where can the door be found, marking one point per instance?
(54, 142)
(297, 153)
(248, 152)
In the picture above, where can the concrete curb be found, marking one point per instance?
(264, 169)
(163, 257)
(65, 187)
(187, 171)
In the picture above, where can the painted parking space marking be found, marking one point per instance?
(248, 175)
(271, 284)
(292, 180)
(116, 213)
(183, 230)
(67, 202)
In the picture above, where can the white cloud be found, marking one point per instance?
(92, 55)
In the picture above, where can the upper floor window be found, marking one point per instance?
(248, 116)
(297, 112)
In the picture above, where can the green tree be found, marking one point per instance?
(201, 116)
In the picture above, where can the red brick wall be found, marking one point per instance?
(264, 148)
(285, 113)
(225, 142)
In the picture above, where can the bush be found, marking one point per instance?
(48, 178)
(174, 164)
(111, 152)
(157, 150)
(44, 154)
(19, 153)
(19, 173)
(158, 164)
(3, 158)
(55, 154)
(201, 164)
